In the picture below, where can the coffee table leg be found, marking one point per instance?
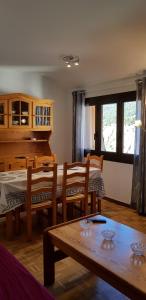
(9, 225)
(93, 202)
(49, 263)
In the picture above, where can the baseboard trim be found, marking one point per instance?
(117, 202)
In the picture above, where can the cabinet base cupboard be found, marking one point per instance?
(26, 124)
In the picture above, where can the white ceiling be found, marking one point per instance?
(108, 35)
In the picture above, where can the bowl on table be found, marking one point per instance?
(108, 234)
(138, 248)
(85, 224)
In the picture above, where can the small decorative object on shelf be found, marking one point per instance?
(23, 121)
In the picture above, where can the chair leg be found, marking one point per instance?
(54, 215)
(86, 207)
(93, 202)
(17, 220)
(9, 225)
(82, 205)
(70, 211)
(64, 211)
(50, 216)
(29, 226)
(99, 205)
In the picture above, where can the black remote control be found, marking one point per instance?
(96, 220)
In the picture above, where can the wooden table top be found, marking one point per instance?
(113, 260)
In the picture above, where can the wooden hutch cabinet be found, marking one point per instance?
(26, 124)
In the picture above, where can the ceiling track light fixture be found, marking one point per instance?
(71, 60)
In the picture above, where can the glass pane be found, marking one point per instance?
(129, 127)
(15, 120)
(1, 108)
(39, 110)
(46, 121)
(36, 121)
(46, 111)
(1, 119)
(109, 127)
(16, 107)
(24, 108)
(39, 121)
(89, 128)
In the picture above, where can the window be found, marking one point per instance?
(109, 126)
(128, 127)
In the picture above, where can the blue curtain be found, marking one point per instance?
(78, 125)
(138, 200)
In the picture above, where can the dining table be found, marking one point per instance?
(13, 185)
(13, 188)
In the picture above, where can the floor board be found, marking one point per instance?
(73, 281)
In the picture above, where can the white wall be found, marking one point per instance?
(38, 85)
(62, 133)
(25, 82)
(118, 180)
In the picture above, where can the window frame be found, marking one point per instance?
(119, 99)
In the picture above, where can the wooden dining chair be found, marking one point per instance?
(40, 161)
(75, 186)
(95, 161)
(40, 187)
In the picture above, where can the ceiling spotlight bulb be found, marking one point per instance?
(68, 65)
(76, 63)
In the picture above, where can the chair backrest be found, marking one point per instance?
(41, 180)
(40, 161)
(95, 161)
(75, 178)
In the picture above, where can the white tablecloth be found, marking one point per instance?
(13, 186)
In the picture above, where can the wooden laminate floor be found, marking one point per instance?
(73, 281)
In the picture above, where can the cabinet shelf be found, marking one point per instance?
(24, 141)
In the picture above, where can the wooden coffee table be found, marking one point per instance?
(112, 261)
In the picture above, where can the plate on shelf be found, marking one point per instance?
(24, 112)
(15, 122)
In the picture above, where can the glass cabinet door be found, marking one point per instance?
(3, 114)
(20, 114)
(42, 116)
